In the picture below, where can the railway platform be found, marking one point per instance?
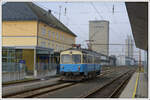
(137, 86)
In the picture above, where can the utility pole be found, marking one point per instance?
(59, 12)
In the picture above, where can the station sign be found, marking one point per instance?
(22, 61)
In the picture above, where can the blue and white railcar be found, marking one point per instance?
(79, 64)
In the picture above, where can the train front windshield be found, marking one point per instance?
(71, 59)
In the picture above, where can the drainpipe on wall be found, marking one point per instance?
(35, 67)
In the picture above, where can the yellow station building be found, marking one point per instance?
(35, 32)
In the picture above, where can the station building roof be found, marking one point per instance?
(138, 16)
(15, 11)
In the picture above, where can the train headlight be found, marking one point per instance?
(78, 67)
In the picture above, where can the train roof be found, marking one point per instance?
(87, 51)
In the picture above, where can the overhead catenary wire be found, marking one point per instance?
(96, 10)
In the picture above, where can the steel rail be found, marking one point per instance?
(18, 93)
(40, 91)
(119, 89)
(19, 82)
(94, 91)
(46, 89)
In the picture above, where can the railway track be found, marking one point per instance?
(111, 89)
(37, 80)
(34, 80)
(39, 91)
(42, 90)
(25, 81)
(19, 82)
(106, 73)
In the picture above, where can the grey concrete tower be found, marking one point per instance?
(99, 33)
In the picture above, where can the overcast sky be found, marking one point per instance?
(78, 14)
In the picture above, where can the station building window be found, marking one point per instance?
(57, 36)
(18, 55)
(60, 37)
(43, 31)
(49, 33)
(53, 35)
(56, 47)
(43, 44)
(8, 55)
(52, 45)
(63, 37)
(10, 59)
(49, 45)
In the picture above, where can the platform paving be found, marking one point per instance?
(137, 87)
(142, 88)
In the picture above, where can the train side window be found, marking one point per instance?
(99, 60)
(84, 58)
(90, 59)
(95, 59)
(87, 58)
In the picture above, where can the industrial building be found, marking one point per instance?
(123, 60)
(129, 47)
(31, 35)
(99, 34)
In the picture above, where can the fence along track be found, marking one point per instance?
(106, 90)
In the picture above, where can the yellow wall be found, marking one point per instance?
(28, 56)
(19, 33)
(52, 39)
(19, 28)
(24, 33)
(19, 41)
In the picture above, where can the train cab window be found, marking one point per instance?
(76, 59)
(66, 59)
